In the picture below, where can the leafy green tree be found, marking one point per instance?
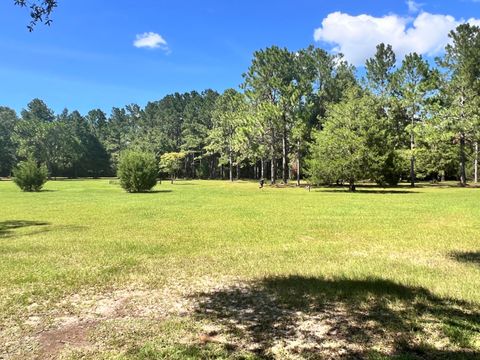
(230, 113)
(97, 122)
(197, 123)
(171, 163)
(152, 134)
(353, 144)
(461, 87)
(119, 134)
(64, 147)
(32, 133)
(326, 77)
(8, 120)
(29, 176)
(385, 82)
(97, 156)
(91, 158)
(167, 116)
(270, 80)
(137, 171)
(380, 70)
(37, 110)
(321, 80)
(414, 84)
(436, 153)
(248, 141)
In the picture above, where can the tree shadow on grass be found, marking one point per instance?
(39, 191)
(8, 227)
(318, 318)
(150, 192)
(365, 191)
(156, 191)
(472, 257)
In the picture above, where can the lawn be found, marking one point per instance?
(211, 269)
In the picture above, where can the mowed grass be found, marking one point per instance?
(298, 250)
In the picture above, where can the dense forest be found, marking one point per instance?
(297, 114)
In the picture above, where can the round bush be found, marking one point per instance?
(29, 176)
(137, 171)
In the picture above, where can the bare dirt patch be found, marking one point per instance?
(52, 342)
(274, 318)
(70, 323)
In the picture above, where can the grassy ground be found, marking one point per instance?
(209, 269)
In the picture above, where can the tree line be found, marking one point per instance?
(297, 114)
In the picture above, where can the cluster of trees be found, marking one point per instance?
(68, 144)
(415, 114)
(296, 114)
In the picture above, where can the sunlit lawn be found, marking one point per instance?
(400, 266)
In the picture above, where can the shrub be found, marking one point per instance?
(137, 171)
(29, 176)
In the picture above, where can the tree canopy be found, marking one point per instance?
(296, 114)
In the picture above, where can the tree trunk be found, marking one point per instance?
(475, 165)
(351, 186)
(273, 163)
(298, 163)
(463, 160)
(412, 171)
(273, 170)
(230, 166)
(238, 171)
(193, 166)
(284, 153)
(262, 170)
(412, 158)
(212, 167)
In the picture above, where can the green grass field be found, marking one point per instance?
(210, 269)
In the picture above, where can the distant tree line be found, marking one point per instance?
(297, 114)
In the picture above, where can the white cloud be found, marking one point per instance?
(413, 7)
(357, 36)
(150, 40)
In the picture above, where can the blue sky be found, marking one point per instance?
(87, 58)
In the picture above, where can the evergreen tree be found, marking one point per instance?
(8, 120)
(228, 117)
(353, 144)
(414, 84)
(462, 87)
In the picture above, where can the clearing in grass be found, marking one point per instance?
(212, 269)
